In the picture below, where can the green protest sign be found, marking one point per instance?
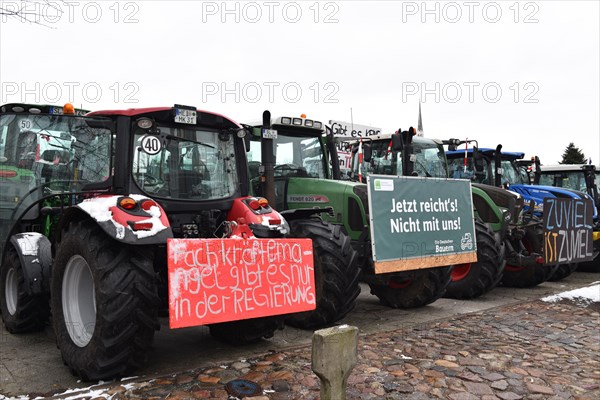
(419, 222)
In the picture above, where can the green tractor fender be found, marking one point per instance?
(348, 201)
(496, 207)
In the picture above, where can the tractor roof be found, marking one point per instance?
(24, 108)
(205, 118)
(507, 155)
(563, 168)
(383, 136)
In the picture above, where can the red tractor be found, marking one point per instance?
(96, 212)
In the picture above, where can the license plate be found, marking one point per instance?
(269, 134)
(183, 116)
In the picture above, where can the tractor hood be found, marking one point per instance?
(538, 193)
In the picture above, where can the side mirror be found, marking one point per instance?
(247, 137)
(367, 153)
(477, 161)
(397, 143)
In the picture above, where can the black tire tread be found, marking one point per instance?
(33, 311)
(486, 273)
(563, 271)
(126, 299)
(425, 287)
(533, 275)
(336, 273)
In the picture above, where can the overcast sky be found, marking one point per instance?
(523, 74)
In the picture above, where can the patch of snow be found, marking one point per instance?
(98, 207)
(28, 242)
(402, 356)
(157, 226)
(583, 296)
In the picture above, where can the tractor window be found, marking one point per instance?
(294, 156)
(571, 180)
(381, 162)
(429, 160)
(191, 164)
(42, 155)
(62, 152)
(511, 174)
(456, 170)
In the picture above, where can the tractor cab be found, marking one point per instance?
(181, 157)
(47, 152)
(582, 177)
(378, 155)
(299, 156)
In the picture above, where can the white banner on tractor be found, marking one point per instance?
(344, 131)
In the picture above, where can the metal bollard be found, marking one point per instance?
(334, 355)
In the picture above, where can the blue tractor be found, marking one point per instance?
(502, 169)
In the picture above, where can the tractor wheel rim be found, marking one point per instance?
(399, 285)
(460, 271)
(514, 268)
(79, 301)
(11, 291)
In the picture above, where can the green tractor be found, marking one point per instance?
(390, 154)
(298, 157)
(280, 160)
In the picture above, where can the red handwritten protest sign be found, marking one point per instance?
(220, 280)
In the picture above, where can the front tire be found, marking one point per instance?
(472, 280)
(21, 311)
(413, 288)
(104, 303)
(518, 276)
(336, 273)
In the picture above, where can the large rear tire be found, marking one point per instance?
(21, 311)
(413, 288)
(104, 303)
(521, 277)
(336, 273)
(472, 280)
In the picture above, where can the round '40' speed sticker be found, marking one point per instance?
(151, 144)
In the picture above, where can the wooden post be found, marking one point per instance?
(334, 355)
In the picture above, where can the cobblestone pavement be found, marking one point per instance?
(537, 350)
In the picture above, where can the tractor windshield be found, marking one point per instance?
(295, 155)
(55, 149)
(511, 174)
(42, 156)
(187, 164)
(429, 159)
(565, 179)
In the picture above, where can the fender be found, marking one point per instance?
(35, 255)
(145, 223)
(256, 214)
